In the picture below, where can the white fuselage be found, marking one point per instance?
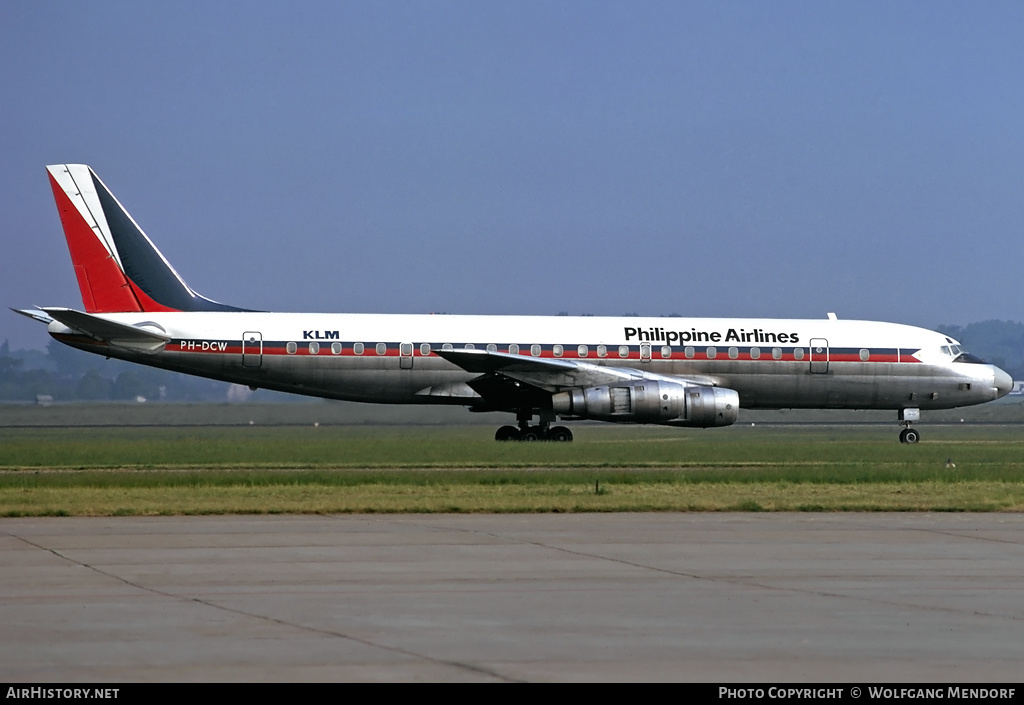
(771, 363)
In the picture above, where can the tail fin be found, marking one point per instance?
(118, 267)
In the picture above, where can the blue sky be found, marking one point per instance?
(779, 159)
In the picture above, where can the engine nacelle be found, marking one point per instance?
(651, 401)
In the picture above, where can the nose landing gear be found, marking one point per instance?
(907, 417)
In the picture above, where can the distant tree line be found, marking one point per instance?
(65, 374)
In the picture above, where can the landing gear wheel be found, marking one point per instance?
(909, 435)
(507, 433)
(560, 434)
(527, 432)
(531, 433)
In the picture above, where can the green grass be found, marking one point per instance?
(160, 470)
(844, 448)
(462, 496)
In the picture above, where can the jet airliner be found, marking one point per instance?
(671, 371)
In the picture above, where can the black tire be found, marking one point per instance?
(910, 436)
(560, 434)
(507, 433)
(531, 434)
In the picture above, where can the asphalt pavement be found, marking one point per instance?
(583, 597)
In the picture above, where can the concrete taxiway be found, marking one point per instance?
(706, 597)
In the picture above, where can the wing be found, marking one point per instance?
(510, 380)
(547, 374)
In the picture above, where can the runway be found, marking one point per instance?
(595, 597)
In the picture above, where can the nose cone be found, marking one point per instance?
(1002, 382)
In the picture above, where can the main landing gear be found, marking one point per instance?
(541, 432)
(907, 417)
(534, 433)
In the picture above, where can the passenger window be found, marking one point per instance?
(513, 349)
(446, 346)
(291, 348)
(623, 351)
(314, 348)
(558, 350)
(491, 347)
(734, 353)
(865, 355)
(777, 353)
(582, 351)
(712, 352)
(382, 348)
(602, 350)
(469, 346)
(755, 353)
(406, 349)
(798, 353)
(666, 351)
(689, 352)
(424, 349)
(335, 348)
(535, 350)
(358, 348)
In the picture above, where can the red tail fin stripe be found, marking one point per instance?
(147, 302)
(83, 286)
(77, 182)
(103, 286)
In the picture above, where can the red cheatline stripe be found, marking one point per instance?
(276, 348)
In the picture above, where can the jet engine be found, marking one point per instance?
(651, 401)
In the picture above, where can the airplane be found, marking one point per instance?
(686, 372)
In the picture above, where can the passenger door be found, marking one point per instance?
(819, 356)
(252, 349)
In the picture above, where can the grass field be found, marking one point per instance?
(152, 469)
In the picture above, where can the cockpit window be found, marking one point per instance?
(968, 357)
(958, 354)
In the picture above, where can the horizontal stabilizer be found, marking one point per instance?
(111, 332)
(35, 314)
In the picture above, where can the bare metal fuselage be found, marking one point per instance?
(393, 358)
